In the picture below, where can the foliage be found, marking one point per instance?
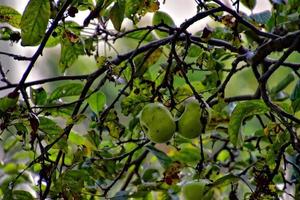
(74, 140)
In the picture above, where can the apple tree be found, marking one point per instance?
(151, 110)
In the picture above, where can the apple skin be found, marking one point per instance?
(196, 190)
(193, 191)
(157, 122)
(189, 124)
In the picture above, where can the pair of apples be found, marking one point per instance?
(159, 125)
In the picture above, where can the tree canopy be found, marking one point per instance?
(163, 113)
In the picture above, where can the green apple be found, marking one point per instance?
(189, 123)
(196, 190)
(157, 122)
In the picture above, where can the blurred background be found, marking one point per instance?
(179, 10)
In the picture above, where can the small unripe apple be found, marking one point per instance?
(193, 191)
(189, 123)
(157, 122)
(193, 119)
(197, 190)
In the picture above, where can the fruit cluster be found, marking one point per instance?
(159, 125)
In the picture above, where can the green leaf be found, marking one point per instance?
(117, 14)
(115, 128)
(51, 130)
(225, 180)
(163, 158)
(139, 35)
(240, 112)
(10, 16)
(64, 31)
(70, 89)
(77, 139)
(132, 7)
(144, 61)
(74, 179)
(34, 22)
(22, 195)
(57, 34)
(295, 97)
(194, 51)
(10, 168)
(282, 84)
(187, 154)
(296, 105)
(249, 3)
(162, 17)
(49, 126)
(8, 194)
(83, 5)
(286, 107)
(9, 143)
(38, 96)
(68, 34)
(150, 175)
(8, 101)
(21, 128)
(212, 6)
(185, 91)
(70, 51)
(97, 101)
(99, 2)
(262, 17)
(136, 100)
(65, 111)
